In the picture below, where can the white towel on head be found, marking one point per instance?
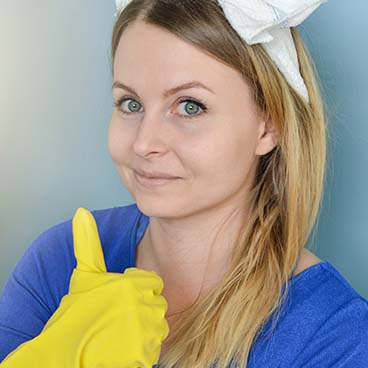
(268, 23)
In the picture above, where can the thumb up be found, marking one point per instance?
(107, 320)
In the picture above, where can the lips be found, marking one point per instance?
(154, 174)
(154, 183)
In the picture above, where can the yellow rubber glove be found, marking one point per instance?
(107, 320)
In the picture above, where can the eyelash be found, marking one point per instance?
(198, 102)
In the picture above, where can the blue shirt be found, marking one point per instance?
(324, 323)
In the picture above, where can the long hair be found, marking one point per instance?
(285, 195)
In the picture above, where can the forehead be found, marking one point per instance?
(149, 54)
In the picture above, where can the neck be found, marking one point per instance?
(190, 251)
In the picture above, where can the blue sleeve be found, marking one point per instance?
(35, 288)
(342, 340)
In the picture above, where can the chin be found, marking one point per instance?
(158, 207)
(152, 207)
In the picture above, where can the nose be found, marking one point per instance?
(150, 137)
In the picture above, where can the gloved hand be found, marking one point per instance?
(107, 320)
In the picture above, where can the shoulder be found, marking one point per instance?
(322, 285)
(318, 292)
(328, 320)
(340, 341)
(323, 321)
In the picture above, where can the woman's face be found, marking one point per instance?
(211, 141)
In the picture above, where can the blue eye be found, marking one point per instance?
(191, 103)
(132, 105)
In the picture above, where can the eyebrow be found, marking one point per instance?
(168, 92)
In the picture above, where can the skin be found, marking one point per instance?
(193, 220)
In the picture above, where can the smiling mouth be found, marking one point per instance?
(153, 182)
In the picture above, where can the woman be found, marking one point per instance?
(243, 153)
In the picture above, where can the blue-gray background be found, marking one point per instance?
(56, 104)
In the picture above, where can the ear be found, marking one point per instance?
(268, 137)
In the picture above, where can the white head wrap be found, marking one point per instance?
(268, 23)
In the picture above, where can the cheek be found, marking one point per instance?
(232, 150)
(118, 142)
(225, 165)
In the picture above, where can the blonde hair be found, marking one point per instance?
(286, 192)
